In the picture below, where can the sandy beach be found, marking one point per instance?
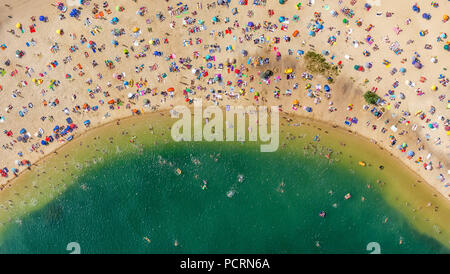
(62, 173)
(93, 79)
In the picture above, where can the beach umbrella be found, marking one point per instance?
(295, 102)
(410, 153)
(282, 2)
(215, 19)
(42, 18)
(326, 88)
(281, 19)
(250, 24)
(311, 33)
(434, 88)
(18, 25)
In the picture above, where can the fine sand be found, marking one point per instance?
(347, 89)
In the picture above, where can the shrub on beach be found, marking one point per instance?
(371, 97)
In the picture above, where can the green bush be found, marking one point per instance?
(371, 97)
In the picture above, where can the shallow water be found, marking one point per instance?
(254, 202)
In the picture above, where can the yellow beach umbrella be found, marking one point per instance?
(33, 80)
(295, 102)
(58, 31)
(135, 29)
(434, 88)
(18, 25)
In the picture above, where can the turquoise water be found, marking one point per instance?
(274, 209)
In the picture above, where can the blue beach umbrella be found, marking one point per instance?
(410, 153)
